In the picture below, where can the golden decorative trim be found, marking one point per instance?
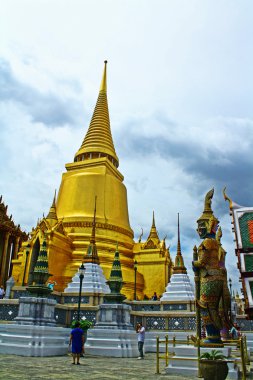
(104, 226)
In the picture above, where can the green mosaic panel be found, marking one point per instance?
(244, 229)
(248, 263)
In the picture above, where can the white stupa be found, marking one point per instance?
(94, 280)
(179, 288)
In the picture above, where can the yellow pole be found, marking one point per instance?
(197, 297)
(243, 359)
(157, 355)
(166, 351)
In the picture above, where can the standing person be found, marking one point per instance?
(141, 337)
(77, 341)
(234, 331)
(154, 298)
(2, 292)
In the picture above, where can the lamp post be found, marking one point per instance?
(81, 276)
(230, 286)
(135, 270)
(26, 258)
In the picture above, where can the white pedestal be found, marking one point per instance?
(25, 340)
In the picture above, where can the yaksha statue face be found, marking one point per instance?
(207, 223)
(207, 228)
(202, 229)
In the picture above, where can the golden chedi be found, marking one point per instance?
(68, 226)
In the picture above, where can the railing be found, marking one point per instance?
(244, 356)
(167, 354)
(240, 343)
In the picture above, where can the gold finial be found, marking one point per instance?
(179, 266)
(98, 141)
(178, 237)
(54, 197)
(153, 231)
(153, 221)
(103, 86)
(208, 200)
(52, 212)
(227, 198)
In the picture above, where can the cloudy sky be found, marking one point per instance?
(180, 97)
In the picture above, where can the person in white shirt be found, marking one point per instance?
(141, 337)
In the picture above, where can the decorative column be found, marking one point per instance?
(16, 247)
(5, 254)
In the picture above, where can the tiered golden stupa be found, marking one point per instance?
(68, 226)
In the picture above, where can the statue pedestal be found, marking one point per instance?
(26, 340)
(36, 311)
(113, 334)
(114, 316)
(9, 285)
(34, 332)
(184, 361)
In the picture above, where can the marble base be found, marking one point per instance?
(113, 342)
(25, 340)
(114, 316)
(36, 311)
(113, 334)
(249, 336)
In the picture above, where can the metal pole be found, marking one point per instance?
(79, 298)
(166, 351)
(197, 297)
(135, 270)
(157, 355)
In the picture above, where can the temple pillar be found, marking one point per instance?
(16, 247)
(6, 251)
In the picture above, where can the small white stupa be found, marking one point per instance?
(179, 288)
(94, 280)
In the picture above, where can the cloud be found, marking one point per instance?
(47, 108)
(218, 152)
(168, 166)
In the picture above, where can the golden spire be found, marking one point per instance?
(153, 231)
(103, 86)
(179, 266)
(52, 212)
(92, 254)
(98, 140)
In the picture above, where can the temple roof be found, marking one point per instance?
(98, 140)
(7, 224)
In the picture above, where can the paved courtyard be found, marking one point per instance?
(92, 368)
